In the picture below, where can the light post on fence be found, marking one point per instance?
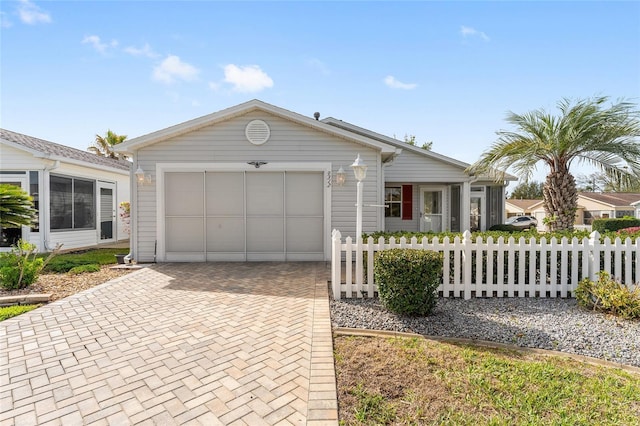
(360, 170)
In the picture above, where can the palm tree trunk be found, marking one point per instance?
(560, 200)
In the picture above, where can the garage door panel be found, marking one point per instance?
(265, 194)
(184, 194)
(305, 234)
(225, 235)
(225, 194)
(184, 234)
(304, 194)
(265, 234)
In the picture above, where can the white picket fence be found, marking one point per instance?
(488, 268)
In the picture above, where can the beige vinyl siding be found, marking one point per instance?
(289, 142)
(411, 166)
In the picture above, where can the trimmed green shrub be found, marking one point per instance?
(608, 295)
(612, 225)
(65, 262)
(504, 227)
(13, 311)
(20, 267)
(92, 267)
(408, 280)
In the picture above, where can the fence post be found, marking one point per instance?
(336, 263)
(594, 255)
(359, 265)
(466, 263)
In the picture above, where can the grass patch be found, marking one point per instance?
(13, 311)
(67, 261)
(393, 381)
(92, 267)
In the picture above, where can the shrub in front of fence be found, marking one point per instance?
(608, 295)
(612, 225)
(408, 280)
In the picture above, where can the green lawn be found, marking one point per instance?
(401, 381)
(64, 262)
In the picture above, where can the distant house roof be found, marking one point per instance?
(614, 199)
(56, 151)
(523, 204)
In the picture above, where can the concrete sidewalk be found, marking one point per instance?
(203, 343)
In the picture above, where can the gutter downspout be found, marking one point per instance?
(44, 212)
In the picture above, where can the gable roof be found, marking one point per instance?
(613, 199)
(400, 144)
(523, 204)
(53, 151)
(134, 144)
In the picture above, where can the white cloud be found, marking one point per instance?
(172, 68)
(472, 32)
(396, 84)
(249, 78)
(98, 44)
(319, 65)
(145, 50)
(31, 14)
(214, 86)
(4, 21)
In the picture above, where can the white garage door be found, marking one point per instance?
(244, 216)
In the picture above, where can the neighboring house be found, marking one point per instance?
(636, 205)
(607, 205)
(76, 193)
(521, 207)
(258, 182)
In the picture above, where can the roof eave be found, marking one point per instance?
(132, 145)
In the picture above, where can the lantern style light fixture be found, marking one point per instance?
(141, 176)
(360, 171)
(341, 177)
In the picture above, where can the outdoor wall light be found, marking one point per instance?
(141, 177)
(341, 177)
(359, 169)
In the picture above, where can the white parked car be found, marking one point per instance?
(523, 222)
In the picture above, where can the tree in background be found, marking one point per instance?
(527, 191)
(411, 140)
(602, 182)
(103, 145)
(586, 131)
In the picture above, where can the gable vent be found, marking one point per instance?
(257, 132)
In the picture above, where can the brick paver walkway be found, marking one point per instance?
(217, 343)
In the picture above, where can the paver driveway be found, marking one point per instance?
(217, 343)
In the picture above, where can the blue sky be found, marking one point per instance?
(446, 72)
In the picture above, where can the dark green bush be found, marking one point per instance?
(612, 225)
(408, 280)
(504, 227)
(20, 267)
(92, 267)
(608, 295)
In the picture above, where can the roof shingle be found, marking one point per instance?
(58, 150)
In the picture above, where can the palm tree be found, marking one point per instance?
(103, 145)
(585, 131)
(16, 207)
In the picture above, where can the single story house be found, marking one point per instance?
(76, 193)
(636, 205)
(521, 207)
(607, 205)
(259, 182)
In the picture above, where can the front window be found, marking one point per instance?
(393, 199)
(34, 190)
(73, 203)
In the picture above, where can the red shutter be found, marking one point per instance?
(407, 202)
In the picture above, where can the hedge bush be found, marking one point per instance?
(408, 280)
(608, 295)
(612, 225)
